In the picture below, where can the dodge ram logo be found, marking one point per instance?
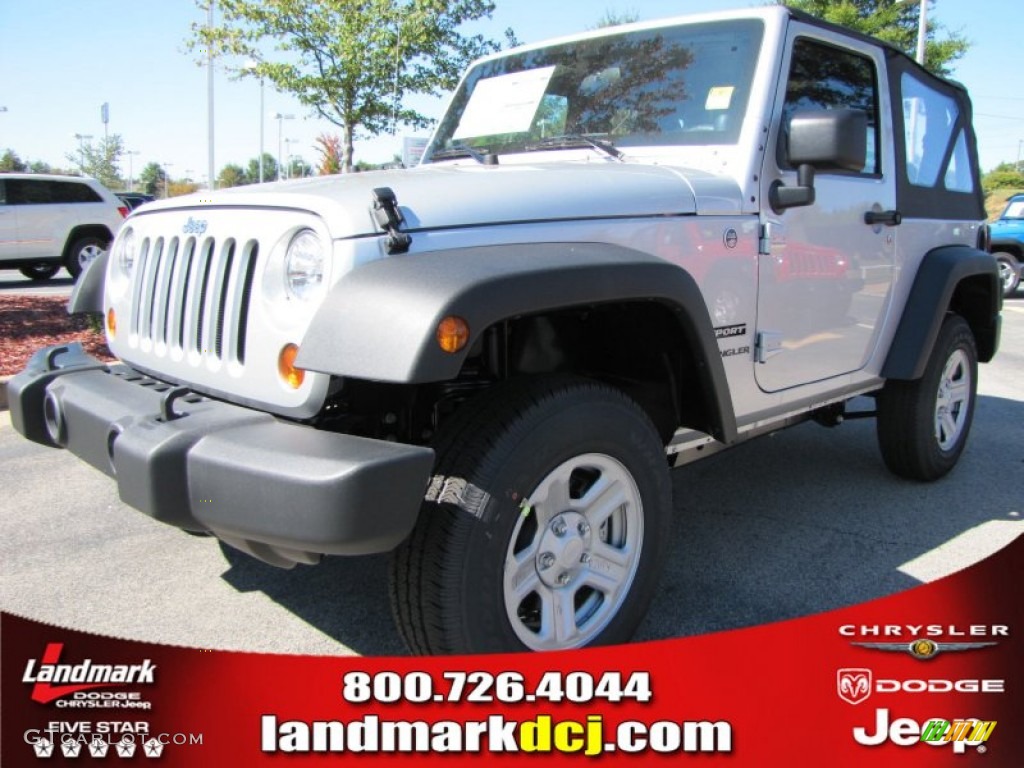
(194, 226)
(853, 685)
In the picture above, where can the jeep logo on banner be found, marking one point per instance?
(853, 685)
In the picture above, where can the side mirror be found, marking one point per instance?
(834, 139)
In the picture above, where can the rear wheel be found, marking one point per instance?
(923, 424)
(40, 272)
(82, 252)
(1009, 276)
(544, 528)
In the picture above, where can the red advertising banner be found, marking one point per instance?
(929, 677)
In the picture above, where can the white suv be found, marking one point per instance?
(47, 222)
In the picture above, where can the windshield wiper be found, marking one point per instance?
(463, 150)
(575, 140)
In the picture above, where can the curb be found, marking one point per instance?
(3, 392)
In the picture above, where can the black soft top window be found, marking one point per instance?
(936, 154)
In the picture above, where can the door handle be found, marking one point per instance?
(889, 218)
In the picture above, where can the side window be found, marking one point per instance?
(28, 192)
(824, 77)
(73, 192)
(929, 122)
(3, 192)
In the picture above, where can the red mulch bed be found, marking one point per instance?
(28, 323)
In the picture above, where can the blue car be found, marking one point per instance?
(1007, 238)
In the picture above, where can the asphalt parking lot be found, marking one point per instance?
(797, 523)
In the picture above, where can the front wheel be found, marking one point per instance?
(923, 424)
(83, 251)
(544, 527)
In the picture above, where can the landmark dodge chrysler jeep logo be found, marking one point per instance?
(79, 677)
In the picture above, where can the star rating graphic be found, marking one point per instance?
(125, 748)
(98, 747)
(43, 748)
(71, 748)
(153, 748)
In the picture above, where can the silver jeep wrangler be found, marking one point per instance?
(622, 251)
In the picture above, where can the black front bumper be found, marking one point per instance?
(282, 491)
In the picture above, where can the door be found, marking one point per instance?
(825, 277)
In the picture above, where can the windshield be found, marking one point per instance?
(686, 85)
(1015, 210)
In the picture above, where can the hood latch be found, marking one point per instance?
(389, 218)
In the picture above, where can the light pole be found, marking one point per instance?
(81, 149)
(209, 99)
(131, 175)
(167, 180)
(280, 122)
(251, 66)
(922, 29)
(288, 156)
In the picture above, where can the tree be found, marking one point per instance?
(1003, 176)
(38, 166)
(232, 175)
(252, 171)
(153, 179)
(100, 160)
(615, 18)
(893, 22)
(330, 154)
(353, 63)
(11, 163)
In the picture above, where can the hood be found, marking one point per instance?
(462, 195)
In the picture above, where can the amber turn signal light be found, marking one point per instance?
(452, 334)
(292, 376)
(111, 323)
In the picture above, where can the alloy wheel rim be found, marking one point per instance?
(952, 403)
(573, 553)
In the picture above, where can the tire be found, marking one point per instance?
(82, 251)
(1009, 273)
(40, 272)
(923, 425)
(489, 563)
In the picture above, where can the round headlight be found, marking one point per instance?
(125, 251)
(304, 266)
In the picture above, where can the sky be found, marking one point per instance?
(62, 59)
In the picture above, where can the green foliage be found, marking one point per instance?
(100, 160)
(1003, 176)
(353, 63)
(11, 163)
(252, 171)
(613, 18)
(232, 175)
(893, 22)
(38, 166)
(152, 179)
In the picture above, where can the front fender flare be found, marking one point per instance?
(379, 321)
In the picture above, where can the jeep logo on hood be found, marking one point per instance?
(194, 226)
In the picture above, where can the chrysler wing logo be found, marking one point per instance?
(923, 648)
(853, 685)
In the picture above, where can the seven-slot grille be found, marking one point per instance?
(191, 295)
